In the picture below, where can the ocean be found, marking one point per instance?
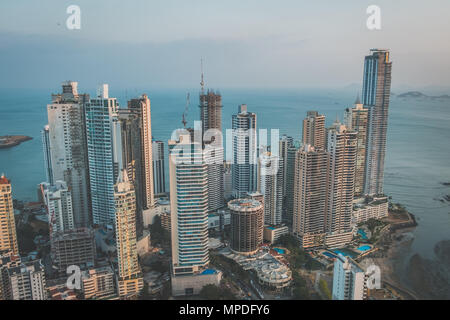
(417, 158)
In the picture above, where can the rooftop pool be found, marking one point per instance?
(279, 251)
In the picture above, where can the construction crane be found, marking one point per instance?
(184, 121)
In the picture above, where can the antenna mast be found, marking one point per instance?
(202, 83)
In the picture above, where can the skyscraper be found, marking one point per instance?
(244, 152)
(375, 96)
(270, 184)
(290, 179)
(310, 195)
(159, 178)
(356, 119)
(105, 155)
(45, 134)
(341, 146)
(130, 276)
(314, 130)
(189, 206)
(211, 118)
(8, 236)
(284, 145)
(141, 106)
(65, 148)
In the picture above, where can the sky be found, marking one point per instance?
(245, 43)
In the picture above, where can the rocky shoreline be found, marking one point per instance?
(11, 141)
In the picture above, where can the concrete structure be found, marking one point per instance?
(210, 111)
(341, 146)
(189, 206)
(61, 292)
(143, 243)
(270, 184)
(274, 276)
(273, 233)
(244, 152)
(58, 200)
(247, 219)
(7, 260)
(349, 280)
(159, 178)
(213, 156)
(356, 119)
(45, 136)
(105, 155)
(192, 284)
(375, 96)
(28, 281)
(65, 148)
(8, 236)
(310, 195)
(161, 207)
(366, 209)
(314, 130)
(130, 280)
(73, 247)
(98, 283)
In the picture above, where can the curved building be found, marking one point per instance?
(247, 221)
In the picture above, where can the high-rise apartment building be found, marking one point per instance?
(349, 280)
(210, 111)
(65, 149)
(310, 195)
(105, 154)
(290, 179)
(58, 200)
(270, 185)
(375, 96)
(159, 179)
(130, 281)
(284, 145)
(213, 156)
(356, 119)
(141, 106)
(227, 180)
(8, 236)
(244, 152)
(247, 223)
(314, 130)
(189, 206)
(341, 146)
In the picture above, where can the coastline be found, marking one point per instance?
(12, 141)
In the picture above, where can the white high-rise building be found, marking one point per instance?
(244, 152)
(105, 155)
(270, 185)
(65, 148)
(189, 206)
(58, 200)
(349, 280)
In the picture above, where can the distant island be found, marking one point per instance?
(11, 141)
(420, 95)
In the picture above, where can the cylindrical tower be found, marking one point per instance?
(247, 221)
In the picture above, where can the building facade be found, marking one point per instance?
(375, 96)
(349, 280)
(270, 184)
(159, 177)
(314, 132)
(8, 236)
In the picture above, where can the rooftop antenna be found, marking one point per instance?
(184, 121)
(202, 83)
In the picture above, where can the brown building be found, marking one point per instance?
(314, 130)
(247, 222)
(8, 237)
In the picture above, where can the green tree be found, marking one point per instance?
(323, 286)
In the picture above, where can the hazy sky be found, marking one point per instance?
(245, 43)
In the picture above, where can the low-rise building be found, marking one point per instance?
(273, 233)
(28, 281)
(366, 209)
(349, 280)
(98, 283)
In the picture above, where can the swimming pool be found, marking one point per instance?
(362, 233)
(344, 253)
(329, 255)
(279, 251)
(364, 248)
